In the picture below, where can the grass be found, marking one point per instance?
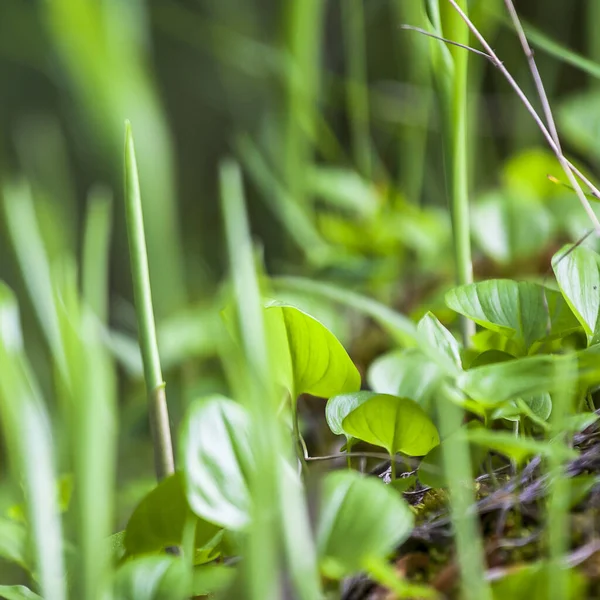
(325, 86)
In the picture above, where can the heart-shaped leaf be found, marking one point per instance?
(517, 310)
(215, 451)
(309, 358)
(577, 271)
(408, 373)
(339, 407)
(361, 519)
(159, 520)
(396, 424)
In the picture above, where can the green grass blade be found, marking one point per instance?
(155, 386)
(294, 218)
(546, 44)
(96, 244)
(304, 30)
(357, 93)
(29, 442)
(103, 50)
(278, 508)
(92, 420)
(26, 239)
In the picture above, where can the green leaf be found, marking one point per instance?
(518, 448)
(396, 424)
(577, 271)
(538, 408)
(310, 358)
(437, 337)
(490, 357)
(408, 373)
(214, 453)
(159, 520)
(339, 407)
(490, 340)
(520, 378)
(361, 519)
(17, 592)
(211, 579)
(515, 309)
(13, 543)
(511, 226)
(152, 578)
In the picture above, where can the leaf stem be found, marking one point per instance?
(155, 386)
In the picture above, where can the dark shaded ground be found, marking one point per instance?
(513, 522)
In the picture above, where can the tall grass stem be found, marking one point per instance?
(155, 386)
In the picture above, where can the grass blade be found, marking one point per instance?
(29, 442)
(96, 242)
(155, 386)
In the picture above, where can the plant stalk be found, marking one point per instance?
(155, 386)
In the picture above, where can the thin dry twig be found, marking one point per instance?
(539, 85)
(569, 169)
(446, 40)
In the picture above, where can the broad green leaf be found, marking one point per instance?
(308, 356)
(518, 448)
(515, 309)
(577, 271)
(17, 592)
(152, 578)
(214, 452)
(339, 407)
(361, 519)
(511, 226)
(437, 337)
(159, 520)
(408, 373)
(396, 424)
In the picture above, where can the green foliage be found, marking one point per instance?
(361, 519)
(160, 519)
(394, 423)
(308, 357)
(215, 454)
(577, 271)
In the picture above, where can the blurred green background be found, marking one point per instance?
(330, 108)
